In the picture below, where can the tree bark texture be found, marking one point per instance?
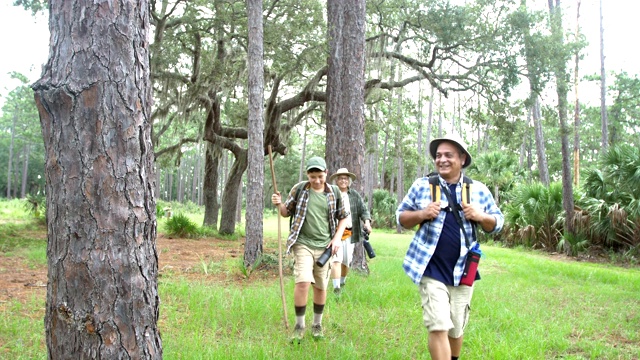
(345, 87)
(231, 188)
(94, 100)
(255, 170)
(345, 94)
(210, 185)
(539, 136)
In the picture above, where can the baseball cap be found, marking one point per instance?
(316, 162)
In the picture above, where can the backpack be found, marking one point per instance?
(334, 189)
(434, 185)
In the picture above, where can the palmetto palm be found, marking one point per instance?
(612, 200)
(495, 169)
(533, 215)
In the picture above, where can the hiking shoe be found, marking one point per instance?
(298, 334)
(316, 331)
(337, 291)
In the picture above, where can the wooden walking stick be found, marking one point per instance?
(275, 190)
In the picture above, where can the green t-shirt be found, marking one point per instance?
(315, 232)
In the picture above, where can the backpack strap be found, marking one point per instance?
(299, 188)
(466, 189)
(334, 189)
(434, 185)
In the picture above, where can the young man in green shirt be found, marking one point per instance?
(319, 219)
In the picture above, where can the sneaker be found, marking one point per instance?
(316, 331)
(298, 334)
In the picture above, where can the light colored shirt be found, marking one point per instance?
(347, 205)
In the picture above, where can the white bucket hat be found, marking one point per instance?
(343, 171)
(433, 147)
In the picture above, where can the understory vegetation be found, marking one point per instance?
(528, 305)
(607, 217)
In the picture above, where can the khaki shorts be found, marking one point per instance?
(305, 268)
(345, 254)
(444, 307)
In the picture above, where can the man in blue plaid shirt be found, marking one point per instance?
(436, 257)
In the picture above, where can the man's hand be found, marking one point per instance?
(411, 218)
(431, 211)
(335, 244)
(276, 199)
(367, 227)
(473, 212)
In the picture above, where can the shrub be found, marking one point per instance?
(180, 225)
(383, 212)
(533, 217)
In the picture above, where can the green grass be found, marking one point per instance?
(527, 306)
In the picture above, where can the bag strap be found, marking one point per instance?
(334, 189)
(434, 184)
(301, 186)
(456, 214)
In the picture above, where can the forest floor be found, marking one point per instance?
(207, 260)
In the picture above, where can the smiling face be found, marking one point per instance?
(449, 160)
(317, 178)
(343, 182)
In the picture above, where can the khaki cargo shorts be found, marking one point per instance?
(444, 307)
(305, 268)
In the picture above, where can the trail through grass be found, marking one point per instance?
(527, 306)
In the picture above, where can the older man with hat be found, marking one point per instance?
(437, 254)
(341, 261)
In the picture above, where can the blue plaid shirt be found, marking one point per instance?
(426, 238)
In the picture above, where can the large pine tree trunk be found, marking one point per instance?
(255, 170)
(94, 100)
(345, 95)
